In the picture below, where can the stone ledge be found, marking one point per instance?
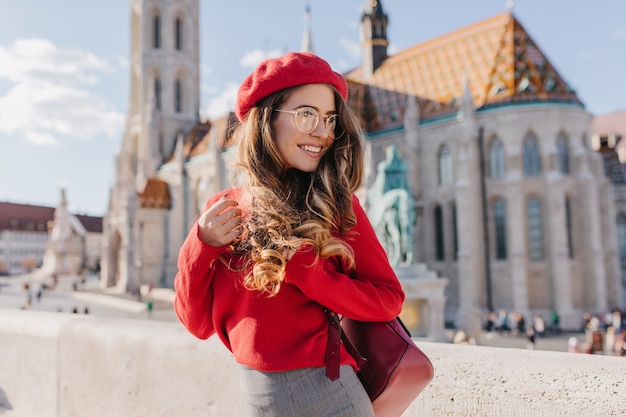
(63, 365)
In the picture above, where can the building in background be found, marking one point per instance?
(25, 236)
(609, 140)
(516, 210)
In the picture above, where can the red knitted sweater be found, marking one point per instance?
(289, 330)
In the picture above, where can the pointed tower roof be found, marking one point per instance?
(307, 38)
(502, 63)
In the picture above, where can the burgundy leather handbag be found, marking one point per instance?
(391, 367)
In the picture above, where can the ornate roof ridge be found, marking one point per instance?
(496, 56)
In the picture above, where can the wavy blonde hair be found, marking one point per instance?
(289, 208)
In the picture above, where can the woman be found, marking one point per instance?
(264, 260)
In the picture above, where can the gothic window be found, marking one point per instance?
(178, 96)
(156, 31)
(562, 150)
(439, 240)
(178, 35)
(535, 229)
(497, 167)
(499, 218)
(445, 166)
(455, 237)
(568, 227)
(157, 93)
(532, 161)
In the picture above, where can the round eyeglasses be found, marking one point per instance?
(306, 119)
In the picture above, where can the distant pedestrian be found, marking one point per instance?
(539, 325)
(572, 345)
(530, 337)
(521, 324)
(556, 326)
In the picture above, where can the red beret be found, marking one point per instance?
(272, 75)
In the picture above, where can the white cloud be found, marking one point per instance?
(50, 94)
(222, 103)
(253, 58)
(34, 59)
(41, 139)
(620, 33)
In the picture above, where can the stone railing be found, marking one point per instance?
(62, 365)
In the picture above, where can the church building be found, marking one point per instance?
(515, 208)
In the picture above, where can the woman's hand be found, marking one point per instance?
(220, 224)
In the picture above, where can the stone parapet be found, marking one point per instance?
(62, 365)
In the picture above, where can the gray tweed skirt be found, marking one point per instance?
(303, 393)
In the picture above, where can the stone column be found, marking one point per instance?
(469, 217)
(559, 252)
(516, 225)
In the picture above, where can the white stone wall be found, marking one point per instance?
(63, 365)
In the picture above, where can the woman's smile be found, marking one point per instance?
(298, 150)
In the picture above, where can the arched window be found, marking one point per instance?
(535, 229)
(562, 150)
(178, 34)
(157, 93)
(497, 168)
(499, 219)
(439, 240)
(568, 227)
(178, 96)
(156, 31)
(445, 166)
(532, 161)
(621, 238)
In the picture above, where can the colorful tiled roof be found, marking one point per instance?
(156, 194)
(497, 57)
(204, 134)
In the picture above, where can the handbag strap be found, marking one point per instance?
(333, 346)
(335, 335)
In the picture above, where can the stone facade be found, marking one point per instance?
(147, 216)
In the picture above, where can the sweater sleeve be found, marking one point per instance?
(371, 292)
(193, 302)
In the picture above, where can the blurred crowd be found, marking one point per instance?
(604, 333)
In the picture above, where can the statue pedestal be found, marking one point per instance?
(423, 309)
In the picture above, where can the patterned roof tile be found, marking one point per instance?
(497, 57)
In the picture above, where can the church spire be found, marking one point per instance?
(373, 36)
(307, 39)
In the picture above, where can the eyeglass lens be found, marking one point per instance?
(307, 118)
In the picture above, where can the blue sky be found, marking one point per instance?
(64, 70)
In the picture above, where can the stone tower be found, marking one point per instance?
(165, 83)
(374, 41)
(164, 103)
